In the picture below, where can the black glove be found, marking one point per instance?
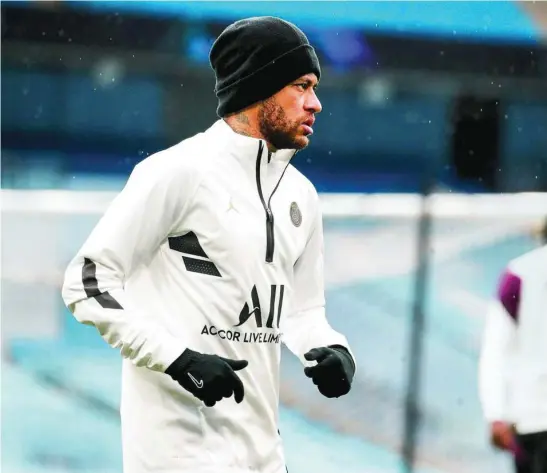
(333, 373)
(208, 377)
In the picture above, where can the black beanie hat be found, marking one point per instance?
(256, 57)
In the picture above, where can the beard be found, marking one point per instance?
(277, 129)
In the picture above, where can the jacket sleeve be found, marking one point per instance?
(152, 203)
(497, 350)
(306, 326)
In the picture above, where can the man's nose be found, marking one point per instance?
(312, 103)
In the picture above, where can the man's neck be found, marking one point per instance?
(242, 124)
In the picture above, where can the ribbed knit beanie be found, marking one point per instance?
(256, 57)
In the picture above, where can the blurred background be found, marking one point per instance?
(431, 159)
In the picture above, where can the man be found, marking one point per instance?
(210, 256)
(513, 362)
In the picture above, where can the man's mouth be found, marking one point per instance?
(307, 125)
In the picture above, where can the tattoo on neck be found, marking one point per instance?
(242, 125)
(242, 118)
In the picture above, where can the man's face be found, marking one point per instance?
(286, 119)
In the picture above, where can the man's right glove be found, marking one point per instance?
(208, 377)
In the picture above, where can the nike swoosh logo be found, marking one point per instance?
(199, 383)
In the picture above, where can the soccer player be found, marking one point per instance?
(513, 362)
(208, 259)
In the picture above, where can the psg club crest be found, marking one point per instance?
(296, 215)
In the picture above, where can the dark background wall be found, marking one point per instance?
(90, 88)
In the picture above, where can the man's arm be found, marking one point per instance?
(496, 359)
(306, 326)
(306, 330)
(150, 206)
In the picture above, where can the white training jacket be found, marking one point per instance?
(217, 245)
(513, 361)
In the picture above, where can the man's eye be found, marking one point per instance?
(303, 85)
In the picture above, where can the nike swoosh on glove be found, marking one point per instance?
(334, 371)
(210, 378)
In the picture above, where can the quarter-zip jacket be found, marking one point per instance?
(214, 244)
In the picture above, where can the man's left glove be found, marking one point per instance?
(334, 371)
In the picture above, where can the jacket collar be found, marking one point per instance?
(245, 147)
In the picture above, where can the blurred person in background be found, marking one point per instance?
(210, 256)
(513, 362)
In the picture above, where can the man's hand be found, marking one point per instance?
(502, 435)
(208, 377)
(334, 371)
